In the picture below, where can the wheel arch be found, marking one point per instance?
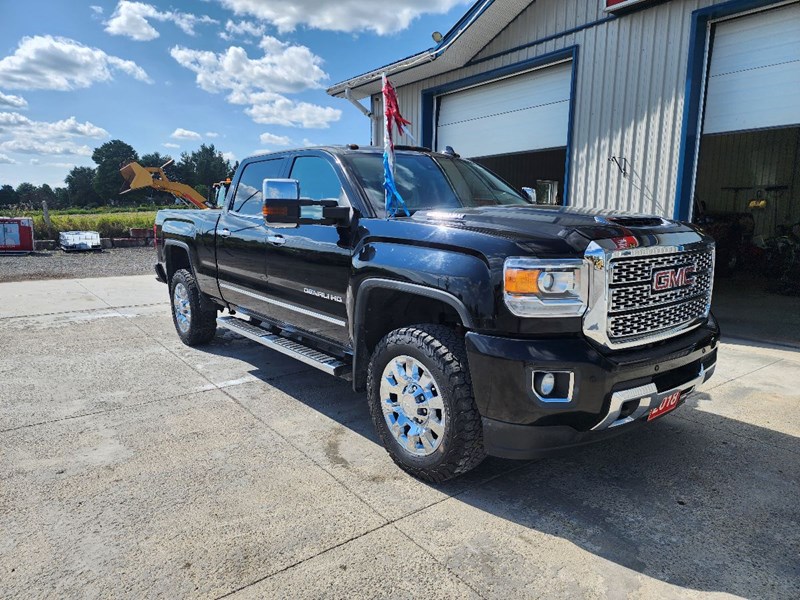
(177, 255)
(383, 305)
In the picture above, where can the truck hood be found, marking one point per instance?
(537, 227)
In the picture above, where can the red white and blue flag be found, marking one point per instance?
(392, 119)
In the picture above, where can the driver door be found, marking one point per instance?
(308, 266)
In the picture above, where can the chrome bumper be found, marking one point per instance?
(648, 397)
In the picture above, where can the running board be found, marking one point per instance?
(315, 358)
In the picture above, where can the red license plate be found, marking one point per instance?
(668, 403)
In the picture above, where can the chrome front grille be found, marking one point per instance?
(637, 310)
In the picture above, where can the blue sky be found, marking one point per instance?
(245, 75)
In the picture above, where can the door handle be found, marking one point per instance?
(224, 233)
(278, 240)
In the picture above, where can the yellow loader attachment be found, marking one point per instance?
(138, 177)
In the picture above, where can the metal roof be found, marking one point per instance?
(479, 26)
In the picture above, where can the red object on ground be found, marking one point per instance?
(16, 234)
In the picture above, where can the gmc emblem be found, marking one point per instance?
(668, 279)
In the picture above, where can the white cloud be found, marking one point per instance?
(36, 147)
(185, 134)
(7, 160)
(132, 19)
(55, 63)
(22, 126)
(343, 15)
(97, 11)
(12, 101)
(307, 143)
(34, 161)
(261, 82)
(242, 29)
(22, 135)
(274, 109)
(284, 68)
(229, 156)
(276, 140)
(212, 134)
(171, 145)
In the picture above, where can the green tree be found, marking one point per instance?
(80, 188)
(8, 196)
(62, 197)
(44, 193)
(109, 159)
(26, 195)
(205, 166)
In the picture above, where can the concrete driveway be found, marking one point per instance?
(133, 466)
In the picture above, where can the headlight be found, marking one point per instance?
(545, 288)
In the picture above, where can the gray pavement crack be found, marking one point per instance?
(81, 311)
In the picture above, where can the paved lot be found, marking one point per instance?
(132, 466)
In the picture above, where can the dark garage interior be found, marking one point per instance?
(527, 169)
(748, 198)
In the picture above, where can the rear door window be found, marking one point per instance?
(248, 198)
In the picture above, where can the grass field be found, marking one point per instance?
(107, 224)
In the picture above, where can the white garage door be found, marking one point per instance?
(519, 114)
(754, 77)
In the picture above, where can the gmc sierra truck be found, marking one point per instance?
(478, 324)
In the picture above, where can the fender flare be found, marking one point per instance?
(183, 246)
(360, 356)
(412, 288)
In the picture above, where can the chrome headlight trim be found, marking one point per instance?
(572, 304)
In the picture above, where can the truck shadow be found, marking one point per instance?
(696, 500)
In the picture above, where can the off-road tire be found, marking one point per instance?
(202, 322)
(442, 351)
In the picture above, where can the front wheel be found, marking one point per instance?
(195, 324)
(421, 402)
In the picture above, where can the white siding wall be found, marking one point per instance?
(630, 89)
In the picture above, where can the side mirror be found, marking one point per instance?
(530, 193)
(283, 206)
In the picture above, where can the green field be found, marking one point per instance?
(107, 223)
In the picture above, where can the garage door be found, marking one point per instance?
(518, 114)
(754, 76)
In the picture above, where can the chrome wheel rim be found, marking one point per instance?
(412, 406)
(182, 307)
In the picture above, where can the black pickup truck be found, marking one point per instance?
(480, 324)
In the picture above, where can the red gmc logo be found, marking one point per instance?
(669, 279)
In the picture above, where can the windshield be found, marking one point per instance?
(426, 182)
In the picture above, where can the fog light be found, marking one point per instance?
(553, 387)
(547, 384)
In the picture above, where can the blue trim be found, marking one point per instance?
(573, 92)
(429, 97)
(475, 11)
(693, 102)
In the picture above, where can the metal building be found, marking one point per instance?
(682, 108)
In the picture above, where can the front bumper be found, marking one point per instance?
(612, 392)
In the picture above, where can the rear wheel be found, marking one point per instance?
(194, 322)
(421, 402)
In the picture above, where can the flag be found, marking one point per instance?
(392, 119)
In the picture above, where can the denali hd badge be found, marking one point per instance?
(669, 279)
(323, 295)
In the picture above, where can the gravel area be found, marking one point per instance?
(67, 265)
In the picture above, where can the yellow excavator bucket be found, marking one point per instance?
(137, 177)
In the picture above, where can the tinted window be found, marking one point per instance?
(248, 198)
(425, 183)
(318, 180)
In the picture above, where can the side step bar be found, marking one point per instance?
(323, 362)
